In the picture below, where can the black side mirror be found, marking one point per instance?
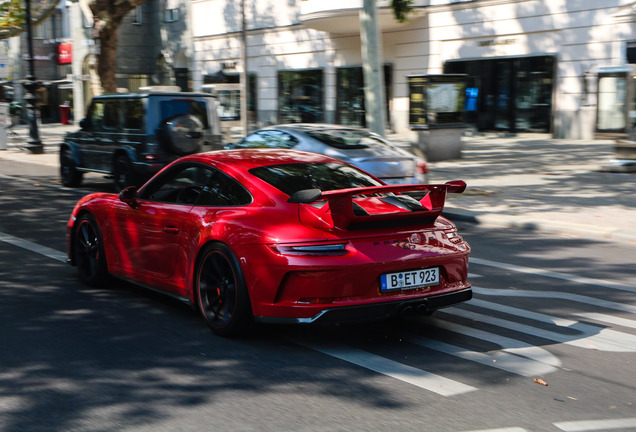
(129, 196)
(305, 196)
(83, 123)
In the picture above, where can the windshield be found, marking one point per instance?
(347, 138)
(290, 178)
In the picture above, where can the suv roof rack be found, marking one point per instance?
(161, 89)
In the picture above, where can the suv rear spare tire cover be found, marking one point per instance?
(182, 134)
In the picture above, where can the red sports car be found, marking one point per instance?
(278, 236)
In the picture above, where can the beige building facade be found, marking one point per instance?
(561, 67)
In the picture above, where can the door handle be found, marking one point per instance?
(171, 229)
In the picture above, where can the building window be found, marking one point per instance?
(172, 15)
(300, 96)
(227, 89)
(350, 105)
(138, 16)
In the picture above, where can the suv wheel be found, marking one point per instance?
(123, 174)
(71, 177)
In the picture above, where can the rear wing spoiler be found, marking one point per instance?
(340, 210)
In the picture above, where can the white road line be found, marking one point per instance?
(557, 295)
(509, 429)
(33, 247)
(498, 359)
(402, 372)
(623, 322)
(509, 345)
(555, 275)
(588, 336)
(596, 425)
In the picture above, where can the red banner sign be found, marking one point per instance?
(65, 53)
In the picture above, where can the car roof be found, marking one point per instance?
(256, 157)
(152, 94)
(317, 127)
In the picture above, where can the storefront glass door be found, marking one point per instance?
(515, 94)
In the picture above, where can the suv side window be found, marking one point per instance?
(104, 115)
(111, 115)
(96, 115)
(134, 114)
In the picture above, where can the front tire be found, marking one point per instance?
(220, 292)
(89, 252)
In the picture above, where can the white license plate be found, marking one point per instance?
(409, 279)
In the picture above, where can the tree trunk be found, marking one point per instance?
(107, 58)
(107, 18)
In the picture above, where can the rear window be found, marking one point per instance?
(175, 107)
(290, 178)
(347, 139)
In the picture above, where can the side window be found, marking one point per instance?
(278, 139)
(134, 114)
(181, 185)
(254, 140)
(269, 138)
(224, 191)
(96, 115)
(112, 113)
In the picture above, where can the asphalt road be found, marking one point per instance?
(547, 344)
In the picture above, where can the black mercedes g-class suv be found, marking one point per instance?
(132, 136)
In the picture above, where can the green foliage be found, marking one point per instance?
(401, 8)
(11, 13)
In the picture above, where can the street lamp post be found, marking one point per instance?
(34, 144)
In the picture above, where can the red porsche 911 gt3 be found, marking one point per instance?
(276, 236)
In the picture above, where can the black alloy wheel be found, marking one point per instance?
(221, 293)
(90, 257)
(71, 177)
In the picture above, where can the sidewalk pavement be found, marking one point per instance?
(528, 181)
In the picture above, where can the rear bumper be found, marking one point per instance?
(378, 311)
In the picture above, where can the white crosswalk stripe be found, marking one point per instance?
(417, 377)
(513, 355)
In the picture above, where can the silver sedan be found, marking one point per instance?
(359, 147)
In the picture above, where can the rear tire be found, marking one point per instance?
(69, 174)
(220, 292)
(123, 174)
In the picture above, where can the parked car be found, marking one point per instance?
(132, 136)
(360, 147)
(276, 236)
